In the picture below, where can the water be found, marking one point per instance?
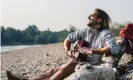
(11, 48)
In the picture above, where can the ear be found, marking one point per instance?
(99, 20)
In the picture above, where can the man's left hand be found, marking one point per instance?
(85, 50)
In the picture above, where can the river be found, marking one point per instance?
(11, 48)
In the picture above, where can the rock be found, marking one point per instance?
(89, 72)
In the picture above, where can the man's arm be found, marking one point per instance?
(89, 51)
(67, 45)
(101, 50)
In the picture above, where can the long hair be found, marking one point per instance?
(106, 20)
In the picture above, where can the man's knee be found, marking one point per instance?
(54, 70)
(70, 66)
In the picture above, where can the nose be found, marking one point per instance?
(89, 17)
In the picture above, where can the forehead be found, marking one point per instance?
(93, 12)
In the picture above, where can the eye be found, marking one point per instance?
(93, 15)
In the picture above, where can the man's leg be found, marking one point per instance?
(65, 71)
(46, 75)
(58, 73)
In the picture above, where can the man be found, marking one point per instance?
(100, 41)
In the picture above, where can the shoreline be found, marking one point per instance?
(34, 45)
(25, 46)
(18, 47)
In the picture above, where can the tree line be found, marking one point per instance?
(32, 35)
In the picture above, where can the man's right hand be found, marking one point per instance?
(71, 54)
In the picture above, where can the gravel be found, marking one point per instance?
(32, 61)
(36, 60)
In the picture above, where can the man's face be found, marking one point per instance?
(93, 20)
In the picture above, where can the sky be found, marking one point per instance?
(59, 14)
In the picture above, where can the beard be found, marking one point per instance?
(91, 23)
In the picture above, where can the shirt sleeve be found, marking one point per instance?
(74, 36)
(111, 43)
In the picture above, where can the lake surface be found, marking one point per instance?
(11, 48)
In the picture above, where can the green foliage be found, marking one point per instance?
(31, 35)
(115, 28)
(72, 28)
(10, 35)
(62, 35)
(4, 38)
(46, 37)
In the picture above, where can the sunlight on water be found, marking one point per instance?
(11, 48)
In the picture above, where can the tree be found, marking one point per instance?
(30, 33)
(4, 39)
(72, 28)
(46, 37)
(115, 28)
(11, 34)
(62, 35)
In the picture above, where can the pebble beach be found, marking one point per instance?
(36, 60)
(32, 61)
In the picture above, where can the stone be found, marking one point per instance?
(89, 72)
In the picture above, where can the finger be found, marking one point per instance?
(70, 53)
(74, 50)
(73, 54)
(73, 57)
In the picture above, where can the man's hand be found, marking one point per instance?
(72, 54)
(85, 50)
